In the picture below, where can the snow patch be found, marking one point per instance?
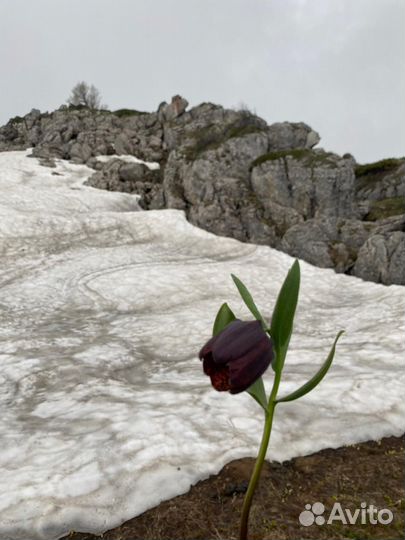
(105, 408)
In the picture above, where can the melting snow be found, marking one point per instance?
(152, 165)
(105, 410)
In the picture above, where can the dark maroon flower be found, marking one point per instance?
(237, 356)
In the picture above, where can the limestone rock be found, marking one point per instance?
(312, 182)
(287, 135)
(235, 175)
(69, 133)
(311, 241)
(80, 153)
(168, 112)
(214, 188)
(330, 242)
(137, 178)
(381, 259)
(132, 172)
(381, 180)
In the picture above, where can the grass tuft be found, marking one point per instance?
(386, 208)
(382, 166)
(124, 113)
(312, 157)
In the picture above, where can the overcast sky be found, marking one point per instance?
(338, 65)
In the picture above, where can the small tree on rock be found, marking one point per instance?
(85, 96)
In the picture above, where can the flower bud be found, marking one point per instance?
(236, 357)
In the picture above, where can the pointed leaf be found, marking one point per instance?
(316, 379)
(257, 391)
(224, 317)
(248, 299)
(283, 315)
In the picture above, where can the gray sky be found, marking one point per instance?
(338, 65)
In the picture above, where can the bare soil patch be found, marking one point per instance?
(371, 472)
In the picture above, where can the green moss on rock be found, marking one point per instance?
(213, 136)
(369, 176)
(123, 113)
(240, 131)
(78, 109)
(273, 156)
(310, 156)
(386, 208)
(378, 167)
(16, 120)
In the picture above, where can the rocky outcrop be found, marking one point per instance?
(235, 175)
(307, 202)
(284, 136)
(381, 257)
(119, 175)
(312, 182)
(177, 107)
(78, 134)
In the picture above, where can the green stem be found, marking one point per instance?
(260, 459)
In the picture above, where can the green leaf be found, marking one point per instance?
(316, 379)
(257, 391)
(248, 299)
(283, 315)
(224, 316)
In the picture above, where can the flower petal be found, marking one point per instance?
(208, 364)
(244, 371)
(220, 379)
(207, 349)
(219, 375)
(238, 338)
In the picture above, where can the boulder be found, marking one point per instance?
(132, 172)
(80, 153)
(327, 242)
(168, 112)
(137, 178)
(287, 135)
(381, 259)
(311, 241)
